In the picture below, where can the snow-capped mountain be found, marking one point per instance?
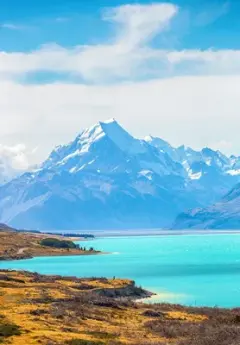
(224, 214)
(107, 179)
(209, 174)
(108, 148)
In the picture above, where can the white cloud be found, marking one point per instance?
(14, 160)
(209, 61)
(16, 157)
(121, 59)
(196, 111)
(139, 23)
(11, 26)
(128, 57)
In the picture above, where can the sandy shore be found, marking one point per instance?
(161, 297)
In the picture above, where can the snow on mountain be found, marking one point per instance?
(207, 157)
(107, 147)
(188, 158)
(107, 179)
(163, 146)
(207, 172)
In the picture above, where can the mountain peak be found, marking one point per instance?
(156, 141)
(109, 128)
(109, 121)
(116, 133)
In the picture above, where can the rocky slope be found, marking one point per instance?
(107, 179)
(224, 214)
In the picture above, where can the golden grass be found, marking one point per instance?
(18, 245)
(55, 310)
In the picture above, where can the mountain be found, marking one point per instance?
(209, 174)
(224, 214)
(107, 179)
(6, 228)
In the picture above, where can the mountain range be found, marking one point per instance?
(222, 215)
(107, 179)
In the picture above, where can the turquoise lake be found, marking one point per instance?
(187, 269)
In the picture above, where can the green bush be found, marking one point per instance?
(55, 243)
(8, 330)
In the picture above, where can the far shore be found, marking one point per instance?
(151, 232)
(22, 245)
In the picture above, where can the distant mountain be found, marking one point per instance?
(209, 174)
(5, 228)
(224, 214)
(107, 179)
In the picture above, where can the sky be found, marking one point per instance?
(170, 69)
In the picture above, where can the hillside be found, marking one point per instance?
(5, 228)
(36, 309)
(17, 245)
(222, 215)
(107, 179)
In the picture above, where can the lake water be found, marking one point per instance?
(187, 269)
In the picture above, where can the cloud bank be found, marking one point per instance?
(185, 96)
(129, 56)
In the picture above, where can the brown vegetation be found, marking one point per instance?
(19, 245)
(54, 310)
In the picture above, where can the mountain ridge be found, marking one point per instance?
(107, 179)
(223, 215)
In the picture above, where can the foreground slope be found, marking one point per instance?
(54, 310)
(107, 179)
(222, 215)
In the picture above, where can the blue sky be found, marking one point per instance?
(82, 25)
(170, 69)
(199, 24)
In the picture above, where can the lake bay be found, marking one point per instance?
(191, 269)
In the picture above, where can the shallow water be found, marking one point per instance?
(188, 269)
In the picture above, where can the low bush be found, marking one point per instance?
(55, 243)
(7, 330)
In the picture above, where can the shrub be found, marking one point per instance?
(55, 243)
(8, 330)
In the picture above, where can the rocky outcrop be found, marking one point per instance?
(130, 291)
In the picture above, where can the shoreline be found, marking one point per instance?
(70, 310)
(157, 296)
(132, 232)
(138, 233)
(22, 246)
(51, 255)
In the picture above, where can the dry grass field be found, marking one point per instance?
(20, 245)
(53, 310)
